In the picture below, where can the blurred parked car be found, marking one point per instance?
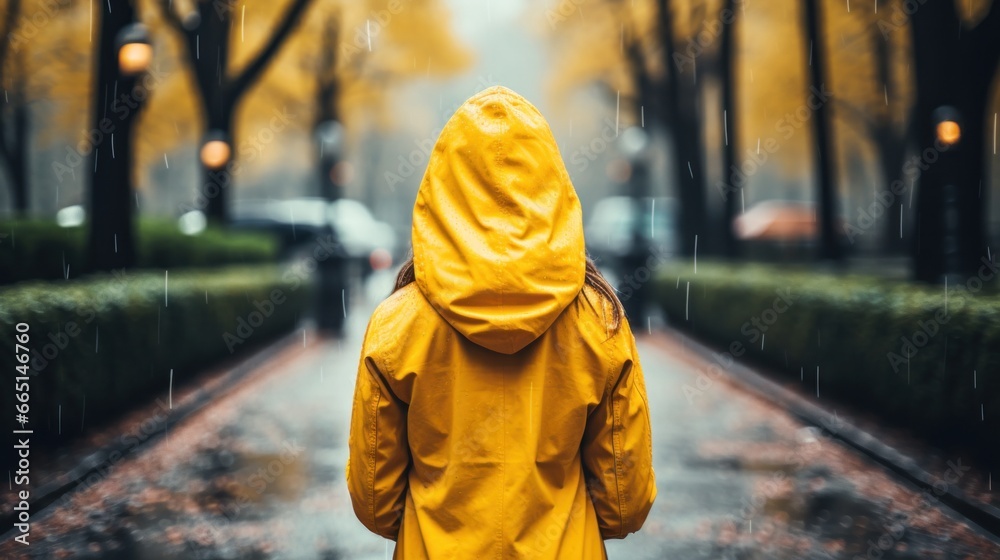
(363, 237)
(369, 243)
(295, 222)
(609, 230)
(782, 230)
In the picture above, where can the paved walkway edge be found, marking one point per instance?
(49, 493)
(985, 516)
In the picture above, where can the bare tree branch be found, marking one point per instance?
(173, 19)
(252, 71)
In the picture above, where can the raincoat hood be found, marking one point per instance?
(498, 246)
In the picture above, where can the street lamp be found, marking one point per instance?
(215, 150)
(948, 132)
(947, 128)
(332, 278)
(330, 137)
(135, 51)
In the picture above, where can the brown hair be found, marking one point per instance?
(592, 278)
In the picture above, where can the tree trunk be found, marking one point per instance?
(16, 153)
(211, 61)
(111, 238)
(953, 70)
(826, 199)
(14, 145)
(727, 71)
(682, 119)
(207, 38)
(892, 145)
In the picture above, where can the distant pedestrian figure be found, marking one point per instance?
(500, 409)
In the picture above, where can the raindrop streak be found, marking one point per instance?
(725, 127)
(343, 303)
(642, 119)
(690, 170)
(802, 373)
(303, 338)
(817, 382)
(166, 279)
(652, 217)
(900, 222)
(994, 134)
(368, 28)
(60, 419)
(649, 325)
(116, 243)
(170, 391)
(165, 161)
(687, 299)
(243, 25)
(973, 379)
(618, 105)
(696, 254)
(762, 337)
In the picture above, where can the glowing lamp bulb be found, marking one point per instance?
(215, 154)
(134, 58)
(949, 133)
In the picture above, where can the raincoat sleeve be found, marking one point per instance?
(379, 453)
(618, 452)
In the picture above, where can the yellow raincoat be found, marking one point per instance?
(496, 413)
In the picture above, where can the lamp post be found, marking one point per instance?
(948, 133)
(633, 144)
(124, 52)
(135, 52)
(332, 276)
(215, 150)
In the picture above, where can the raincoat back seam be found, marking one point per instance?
(373, 444)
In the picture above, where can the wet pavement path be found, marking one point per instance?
(260, 474)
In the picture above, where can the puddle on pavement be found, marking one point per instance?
(246, 478)
(788, 510)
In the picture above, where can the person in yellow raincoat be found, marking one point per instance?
(500, 409)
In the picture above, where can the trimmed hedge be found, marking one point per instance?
(39, 249)
(112, 341)
(892, 348)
